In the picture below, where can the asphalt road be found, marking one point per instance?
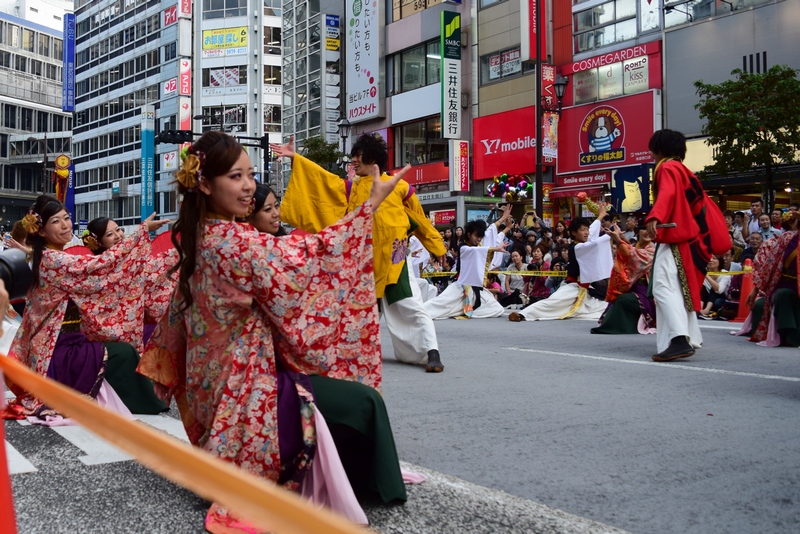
(527, 419)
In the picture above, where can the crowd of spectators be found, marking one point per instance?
(536, 247)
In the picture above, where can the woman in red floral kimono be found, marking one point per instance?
(83, 323)
(103, 233)
(253, 316)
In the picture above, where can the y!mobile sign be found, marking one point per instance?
(68, 81)
(505, 143)
(363, 60)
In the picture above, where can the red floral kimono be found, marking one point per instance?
(769, 264)
(108, 289)
(218, 358)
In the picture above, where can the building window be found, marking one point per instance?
(405, 8)
(415, 68)
(28, 40)
(604, 25)
(420, 142)
(489, 3)
(217, 9)
(170, 51)
(9, 116)
(272, 40)
(272, 118)
(502, 64)
(272, 75)
(272, 8)
(21, 63)
(225, 76)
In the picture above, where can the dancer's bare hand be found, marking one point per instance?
(652, 231)
(153, 225)
(285, 150)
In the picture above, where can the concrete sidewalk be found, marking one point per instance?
(450, 505)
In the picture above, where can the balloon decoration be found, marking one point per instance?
(591, 205)
(510, 188)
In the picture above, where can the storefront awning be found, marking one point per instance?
(573, 190)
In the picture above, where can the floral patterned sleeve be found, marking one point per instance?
(765, 264)
(159, 283)
(319, 294)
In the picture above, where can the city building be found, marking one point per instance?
(390, 83)
(145, 67)
(34, 128)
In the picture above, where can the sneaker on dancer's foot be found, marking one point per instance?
(678, 348)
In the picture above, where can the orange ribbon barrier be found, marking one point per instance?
(747, 287)
(251, 498)
(8, 522)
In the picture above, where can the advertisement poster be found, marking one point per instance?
(225, 42)
(363, 59)
(608, 134)
(631, 188)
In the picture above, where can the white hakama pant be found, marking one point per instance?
(672, 317)
(410, 326)
(569, 301)
(427, 291)
(450, 303)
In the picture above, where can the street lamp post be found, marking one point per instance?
(542, 106)
(212, 119)
(344, 133)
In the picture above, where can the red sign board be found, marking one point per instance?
(429, 173)
(528, 25)
(170, 16)
(442, 217)
(186, 9)
(505, 143)
(185, 78)
(607, 134)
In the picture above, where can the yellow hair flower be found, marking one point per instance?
(189, 173)
(32, 222)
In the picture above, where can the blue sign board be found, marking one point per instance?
(148, 167)
(68, 71)
(332, 21)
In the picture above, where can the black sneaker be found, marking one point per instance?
(678, 348)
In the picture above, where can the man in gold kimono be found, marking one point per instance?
(316, 198)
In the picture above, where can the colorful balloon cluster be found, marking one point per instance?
(510, 188)
(591, 205)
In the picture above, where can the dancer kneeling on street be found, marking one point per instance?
(254, 315)
(468, 297)
(317, 198)
(590, 264)
(630, 310)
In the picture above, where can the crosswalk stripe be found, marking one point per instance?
(16, 462)
(173, 427)
(98, 451)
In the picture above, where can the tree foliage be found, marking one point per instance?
(753, 120)
(324, 154)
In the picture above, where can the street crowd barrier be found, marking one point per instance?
(251, 498)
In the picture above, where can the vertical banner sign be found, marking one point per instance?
(185, 9)
(549, 135)
(363, 60)
(184, 113)
(459, 165)
(185, 78)
(450, 46)
(68, 57)
(333, 78)
(148, 160)
(529, 27)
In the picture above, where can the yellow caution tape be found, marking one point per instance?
(250, 498)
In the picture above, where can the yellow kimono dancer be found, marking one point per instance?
(317, 198)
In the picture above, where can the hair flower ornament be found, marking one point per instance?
(191, 170)
(32, 222)
(90, 240)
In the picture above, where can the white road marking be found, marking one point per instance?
(16, 462)
(173, 427)
(667, 365)
(98, 450)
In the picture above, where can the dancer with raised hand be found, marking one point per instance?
(590, 260)
(316, 198)
(84, 321)
(253, 316)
